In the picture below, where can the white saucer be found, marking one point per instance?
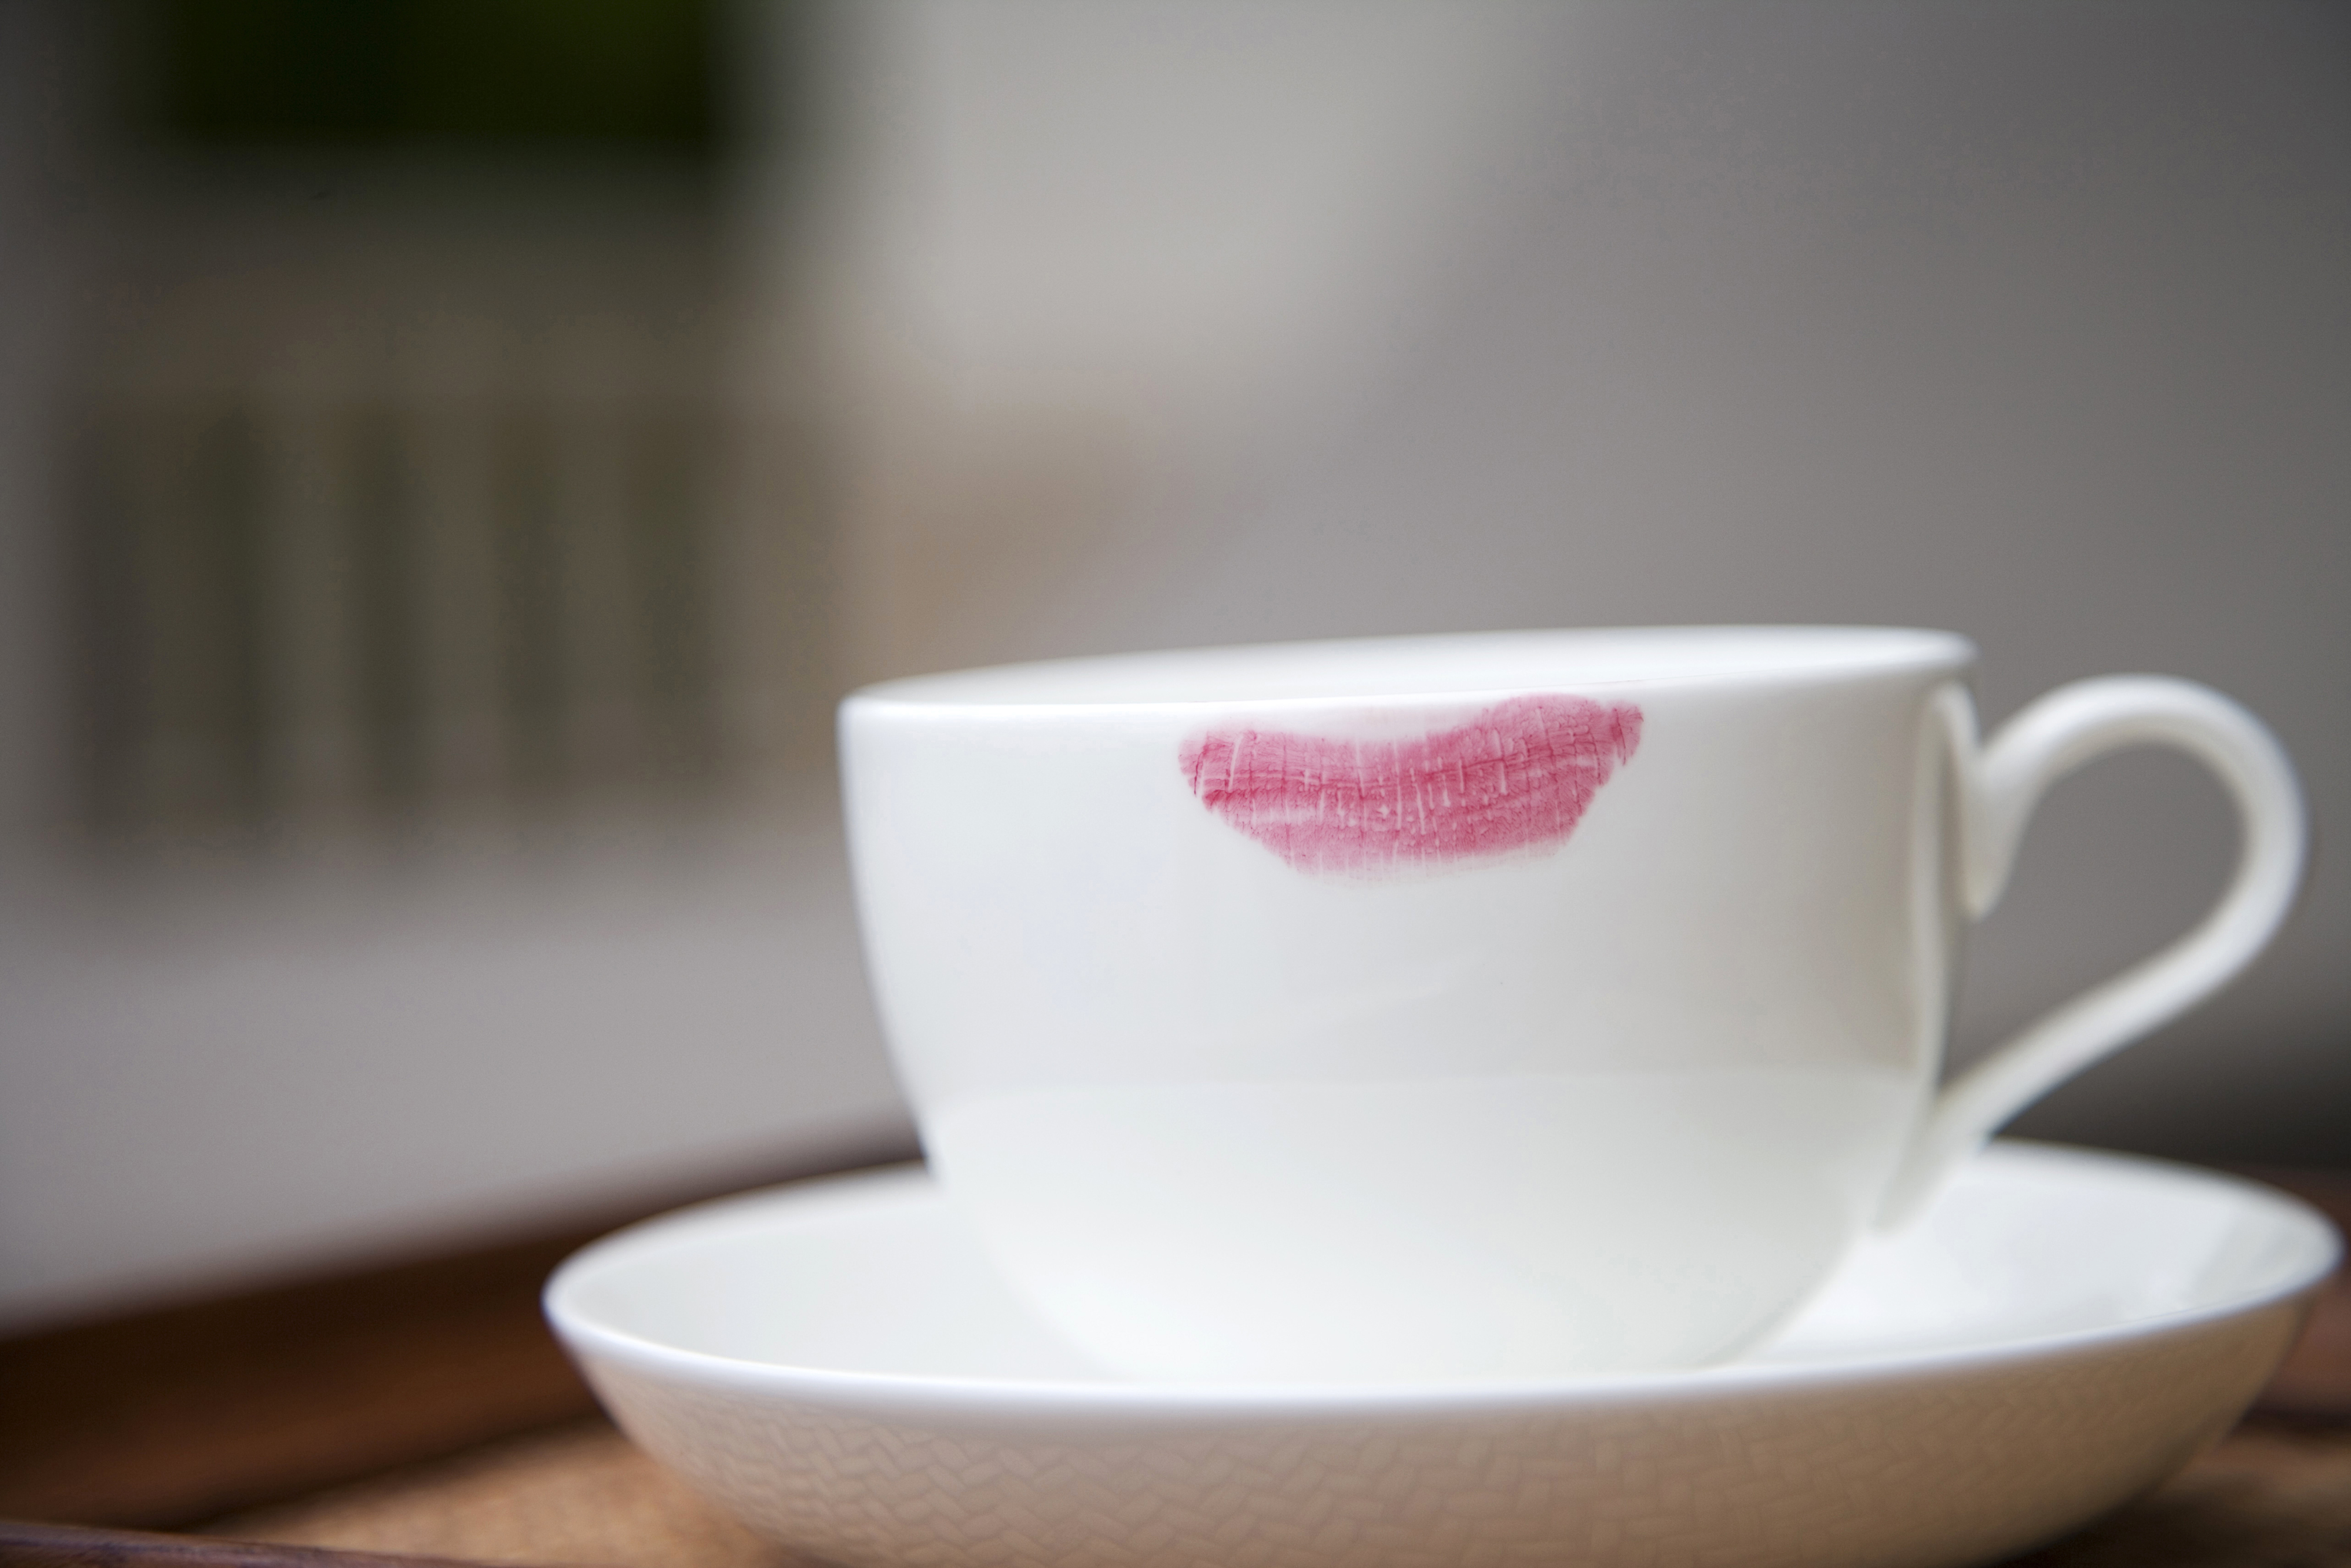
(835, 1364)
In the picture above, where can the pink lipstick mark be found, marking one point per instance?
(1516, 778)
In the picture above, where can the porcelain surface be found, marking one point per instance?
(1539, 1003)
(838, 1365)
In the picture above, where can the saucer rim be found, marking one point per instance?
(589, 1341)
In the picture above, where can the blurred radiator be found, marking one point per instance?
(351, 555)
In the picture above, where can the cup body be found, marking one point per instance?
(1506, 1007)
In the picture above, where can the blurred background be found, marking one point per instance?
(454, 452)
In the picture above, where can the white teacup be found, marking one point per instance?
(1484, 1007)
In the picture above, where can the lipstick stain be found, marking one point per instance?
(1513, 779)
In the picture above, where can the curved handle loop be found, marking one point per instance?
(1998, 785)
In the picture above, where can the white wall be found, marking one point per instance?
(2025, 320)
(1168, 323)
(215, 1074)
(225, 1064)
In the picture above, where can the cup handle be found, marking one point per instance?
(1998, 785)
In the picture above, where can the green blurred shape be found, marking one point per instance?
(477, 72)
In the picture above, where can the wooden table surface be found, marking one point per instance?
(2276, 1494)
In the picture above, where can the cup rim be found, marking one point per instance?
(1272, 676)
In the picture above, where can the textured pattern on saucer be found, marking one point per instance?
(1940, 1466)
